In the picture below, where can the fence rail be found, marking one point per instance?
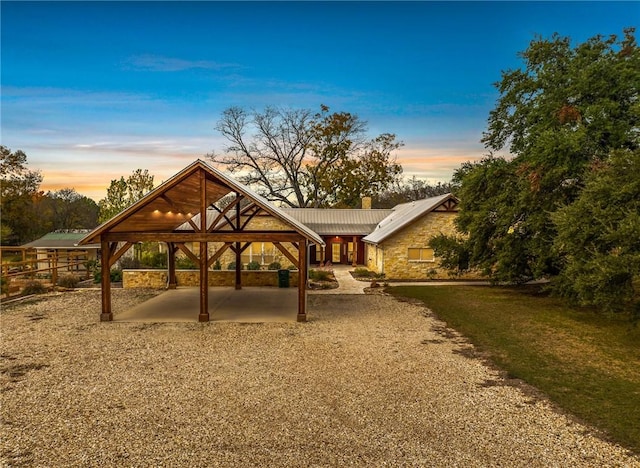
(45, 266)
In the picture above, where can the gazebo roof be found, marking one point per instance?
(180, 198)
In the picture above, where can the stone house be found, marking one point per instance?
(393, 241)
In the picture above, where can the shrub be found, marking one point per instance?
(34, 287)
(363, 273)
(320, 275)
(68, 281)
(185, 263)
(275, 266)
(4, 285)
(232, 266)
(116, 276)
(292, 267)
(253, 265)
(217, 265)
(129, 263)
(154, 260)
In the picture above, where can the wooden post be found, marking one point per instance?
(204, 284)
(105, 252)
(54, 269)
(171, 264)
(302, 281)
(204, 255)
(238, 266)
(354, 262)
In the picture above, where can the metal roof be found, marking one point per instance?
(338, 222)
(403, 215)
(61, 240)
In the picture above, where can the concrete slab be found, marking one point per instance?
(247, 305)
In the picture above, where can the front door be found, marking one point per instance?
(335, 252)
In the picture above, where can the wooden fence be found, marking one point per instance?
(39, 265)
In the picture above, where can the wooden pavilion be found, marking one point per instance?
(195, 189)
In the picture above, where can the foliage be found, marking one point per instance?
(153, 260)
(303, 159)
(18, 195)
(129, 263)
(115, 275)
(4, 285)
(292, 267)
(123, 193)
(34, 287)
(274, 266)
(560, 115)
(217, 265)
(66, 209)
(584, 361)
(68, 281)
(253, 265)
(410, 190)
(601, 257)
(185, 263)
(320, 275)
(232, 266)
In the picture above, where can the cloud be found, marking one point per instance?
(159, 63)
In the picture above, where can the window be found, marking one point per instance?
(420, 255)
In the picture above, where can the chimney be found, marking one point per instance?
(366, 203)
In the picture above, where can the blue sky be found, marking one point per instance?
(92, 91)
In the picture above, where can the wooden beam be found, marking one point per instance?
(218, 254)
(223, 213)
(188, 252)
(255, 209)
(116, 255)
(302, 282)
(219, 236)
(287, 254)
(354, 260)
(105, 280)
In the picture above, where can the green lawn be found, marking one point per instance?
(586, 362)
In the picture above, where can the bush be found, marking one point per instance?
(129, 263)
(232, 266)
(154, 260)
(253, 265)
(363, 273)
(217, 265)
(292, 267)
(68, 281)
(274, 266)
(116, 276)
(34, 287)
(4, 285)
(320, 275)
(185, 263)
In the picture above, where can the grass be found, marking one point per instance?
(586, 362)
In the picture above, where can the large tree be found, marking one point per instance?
(601, 256)
(123, 193)
(19, 190)
(565, 111)
(67, 209)
(300, 158)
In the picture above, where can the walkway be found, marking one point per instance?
(348, 285)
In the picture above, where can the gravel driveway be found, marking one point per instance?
(368, 381)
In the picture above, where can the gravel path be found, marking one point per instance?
(368, 381)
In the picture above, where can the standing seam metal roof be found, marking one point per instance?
(404, 214)
(338, 221)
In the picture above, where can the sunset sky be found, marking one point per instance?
(92, 91)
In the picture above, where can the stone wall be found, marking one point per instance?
(392, 256)
(158, 278)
